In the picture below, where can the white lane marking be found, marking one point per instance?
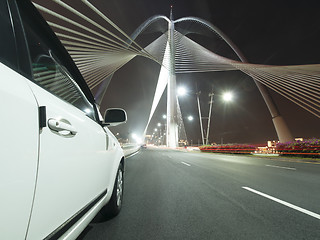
(312, 214)
(186, 164)
(281, 167)
(131, 155)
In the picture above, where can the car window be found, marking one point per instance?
(48, 70)
(8, 54)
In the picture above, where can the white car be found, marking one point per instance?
(60, 164)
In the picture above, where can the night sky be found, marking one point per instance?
(267, 32)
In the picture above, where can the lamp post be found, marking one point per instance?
(156, 137)
(200, 117)
(185, 141)
(181, 92)
(160, 132)
(209, 118)
(226, 97)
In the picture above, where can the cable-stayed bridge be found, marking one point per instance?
(99, 48)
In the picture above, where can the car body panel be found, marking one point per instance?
(19, 153)
(73, 169)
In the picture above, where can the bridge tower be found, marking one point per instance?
(280, 125)
(172, 126)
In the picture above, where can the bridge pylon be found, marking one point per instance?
(172, 125)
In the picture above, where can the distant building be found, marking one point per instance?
(272, 144)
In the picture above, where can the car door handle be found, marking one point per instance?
(62, 126)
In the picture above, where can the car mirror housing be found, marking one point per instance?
(114, 117)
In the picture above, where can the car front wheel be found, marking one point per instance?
(113, 207)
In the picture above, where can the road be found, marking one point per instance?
(178, 195)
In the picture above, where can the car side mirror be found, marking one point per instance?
(114, 117)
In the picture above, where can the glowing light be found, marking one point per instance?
(155, 129)
(159, 124)
(164, 116)
(227, 97)
(181, 91)
(136, 138)
(190, 118)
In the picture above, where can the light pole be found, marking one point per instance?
(156, 136)
(181, 91)
(209, 118)
(160, 132)
(226, 97)
(200, 117)
(190, 119)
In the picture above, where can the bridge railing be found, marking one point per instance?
(130, 149)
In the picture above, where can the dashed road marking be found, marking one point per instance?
(187, 164)
(312, 214)
(274, 166)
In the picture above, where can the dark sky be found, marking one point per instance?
(267, 32)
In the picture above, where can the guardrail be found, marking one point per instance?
(129, 149)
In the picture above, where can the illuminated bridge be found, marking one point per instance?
(99, 48)
(175, 194)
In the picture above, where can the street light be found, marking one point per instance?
(160, 140)
(136, 138)
(164, 116)
(227, 96)
(181, 91)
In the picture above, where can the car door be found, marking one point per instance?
(74, 157)
(19, 133)
(19, 153)
(73, 164)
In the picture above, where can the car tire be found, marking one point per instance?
(113, 207)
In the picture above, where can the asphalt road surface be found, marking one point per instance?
(179, 195)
